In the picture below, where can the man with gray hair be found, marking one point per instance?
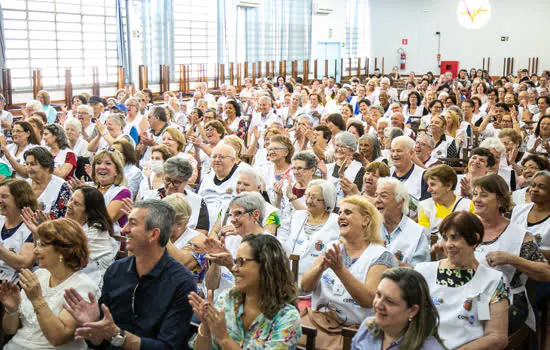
(177, 172)
(423, 149)
(263, 119)
(406, 239)
(404, 170)
(156, 314)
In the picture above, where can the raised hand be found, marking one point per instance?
(30, 219)
(126, 206)
(333, 258)
(10, 296)
(198, 304)
(30, 284)
(80, 309)
(75, 182)
(213, 246)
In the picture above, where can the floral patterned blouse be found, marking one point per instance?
(282, 332)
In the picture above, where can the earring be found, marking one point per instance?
(61, 258)
(410, 319)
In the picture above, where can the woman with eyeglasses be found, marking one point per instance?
(531, 165)
(260, 311)
(246, 214)
(344, 279)
(435, 107)
(373, 172)
(404, 315)
(77, 143)
(471, 298)
(36, 317)
(249, 180)
(84, 114)
(23, 139)
(313, 228)
(16, 248)
(279, 154)
(52, 192)
(108, 133)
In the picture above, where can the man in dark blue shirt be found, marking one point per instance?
(144, 296)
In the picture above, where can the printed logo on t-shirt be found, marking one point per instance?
(319, 245)
(399, 255)
(467, 304)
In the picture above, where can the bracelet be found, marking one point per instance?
(40, 307)
(12, 313)
(200, 333)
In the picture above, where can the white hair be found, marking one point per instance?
(493, 142)
(382, 120)
(34, 106)
(247, 170)
(400, 192)
(407, 141)
(328, 190)
(86, 108)
(224, 145)
(74, 122)
(385, 79)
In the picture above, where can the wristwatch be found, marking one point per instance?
(118, 339)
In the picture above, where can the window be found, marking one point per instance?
(195, 35)
(356, 29)
(56, 34)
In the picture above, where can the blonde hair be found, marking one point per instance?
(177, 136)
(235, 142)
(117, 159)
(372, 231)
(179, 202)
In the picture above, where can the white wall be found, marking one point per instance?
(418, 20)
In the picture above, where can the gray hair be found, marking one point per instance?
(348, 139)
(34, 106)
(88, 109)
(544, 173)
(247, 170)
(306, 116)
(378, 108)
(265, 97)
(160, 215)
(382, 120)
(178, 167)
(374, 143)
(428, 139)
(407, 141)
(329, 192)
(223, 145)
(118, 118)
(493, 142)
(307, 157)
(400, 192)
(394, 132)
(458, 111)
(74, 122)
(2, 100)
(250, 201)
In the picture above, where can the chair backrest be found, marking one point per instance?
(311, 334)
(348, 334)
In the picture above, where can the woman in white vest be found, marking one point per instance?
(186, 245)
(501, 166)
(24, 138)
(87, 207)
(16, 248)
(531, 164)
(345, 278)
(280, 154)
(248, 180)
(246, 215)
(58, 144)
(77, 143)
(508, 247)
(472, 299)
(291, 195)
(311, 230)
(52, 192)
(404, 315)
(345, 146)
(442, 181)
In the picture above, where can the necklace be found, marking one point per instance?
(103, 187)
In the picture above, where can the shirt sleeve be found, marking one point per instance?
(125, 193)
(422, 253)
(386, 259)
(423, 219)
(5, 170)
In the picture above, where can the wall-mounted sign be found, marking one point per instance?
(473, 14)
(404, 41)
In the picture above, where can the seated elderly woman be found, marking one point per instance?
(87, 207)
(153, 173)
(481, 159)
(404, 315)
(248, 180)
(132, 173)
(260, 311)
(73, 129)
(108, 133)
(313, 228)
(64, 158)
(345, 166)
(186, 245)
(24, 138)
(52, 192)
(423, 150)
(441, 180)
(84, 115)
(246, 211)
(531, 165)
(350, 270)
(177, 172)
(508, 247)
(471, 299)
(369, 148)
(500, 167)
(36, 317)
(16, 250)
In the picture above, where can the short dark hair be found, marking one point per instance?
(494, 183)
(537, 129)
(358, 126)
(542, 162)
(159, 113)
(465, 224)
(327, 135)
(365, 100)
(160, 215)
(484, 152)
(42, 156)
(127, 151)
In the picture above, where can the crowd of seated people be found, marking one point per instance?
(411, 211)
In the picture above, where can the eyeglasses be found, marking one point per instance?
(239, 262)
(340, 146)
(273, 149)
(220, 156)
(41, 244)
(82, 113)
(422, 144)
(237, 214)
(17, 131)
(168, 181)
